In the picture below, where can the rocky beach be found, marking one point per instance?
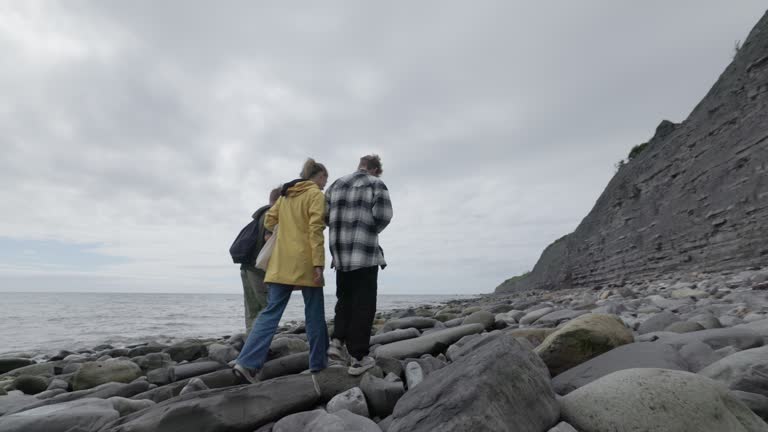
(683, 353)
(651, 316)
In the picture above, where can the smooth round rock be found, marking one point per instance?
(95, 373)
(657, 400)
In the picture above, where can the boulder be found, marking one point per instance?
(152, 347)
(8, 364)
(285, 346)
(684, 327)
(290, 364)
(658, 322)
(390, 365)
(582, 339)
(504, 378)
(409, 322)
(84, 415)
(630, 356)
(737, 337)
(532, 316)
(484, 318)
(670, 401)
(432, 343)
(194, 385)
(213, 380)
(48, 368)
(563, 427)
(30, 384)
(188, 350)
(756, 402)
(154, 361)
(414, 374)
(698, 355)
(394, 336)
(533, 335)
(96, 373)
(552, 319)
(322, 421)
(745, 370)
(382, 395)
(129, 406)
(241, 408)
(352, 400)
(189, 370)
(222, 353)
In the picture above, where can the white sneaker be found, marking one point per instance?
(248, 374)
(358, 367)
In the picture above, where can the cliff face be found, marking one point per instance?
(695, 199)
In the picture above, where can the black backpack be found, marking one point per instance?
(243, 249)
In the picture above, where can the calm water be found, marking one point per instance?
(45, 322)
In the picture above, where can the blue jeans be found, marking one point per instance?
(254, 352)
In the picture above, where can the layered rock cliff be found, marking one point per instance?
(694, 199)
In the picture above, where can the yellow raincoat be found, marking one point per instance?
(300, 243)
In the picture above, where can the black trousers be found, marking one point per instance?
(355, 308)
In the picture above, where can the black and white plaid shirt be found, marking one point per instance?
(358, 209)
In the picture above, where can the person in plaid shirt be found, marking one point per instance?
(358, 208)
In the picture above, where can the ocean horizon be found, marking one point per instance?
(46, 322)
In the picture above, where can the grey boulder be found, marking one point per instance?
(658, 322)
(222, 353)
(96, 373)
(670, 401)
(484, 318)
(409, 322)
(241, 408)
(381, 394)
(745, 370)
(431, 343)
(394, 336)
(504, 377)
(321, 421)
(85, 415)
(8, 364)
(630, 356)
(352, 400)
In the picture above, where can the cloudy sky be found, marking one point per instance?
(137, 137)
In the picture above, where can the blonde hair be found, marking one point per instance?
(311, 169)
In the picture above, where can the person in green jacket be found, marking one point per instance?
(254, 289)
(297, 262)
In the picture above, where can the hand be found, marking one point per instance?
(267, 235)
(319, 276)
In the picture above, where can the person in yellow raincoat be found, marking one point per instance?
(297, 262)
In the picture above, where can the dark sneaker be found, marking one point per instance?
(248, 374)
(358, 367)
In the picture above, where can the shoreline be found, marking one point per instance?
(551, 360)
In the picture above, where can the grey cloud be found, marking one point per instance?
(498, 122)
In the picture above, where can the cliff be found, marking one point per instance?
(694, 199)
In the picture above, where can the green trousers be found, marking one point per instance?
(254, 293)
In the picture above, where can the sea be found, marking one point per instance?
(44, 323)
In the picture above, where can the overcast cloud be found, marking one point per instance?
(137, 137)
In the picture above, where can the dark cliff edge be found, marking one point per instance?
(694, 199)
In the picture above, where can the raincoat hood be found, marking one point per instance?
(297, 187)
